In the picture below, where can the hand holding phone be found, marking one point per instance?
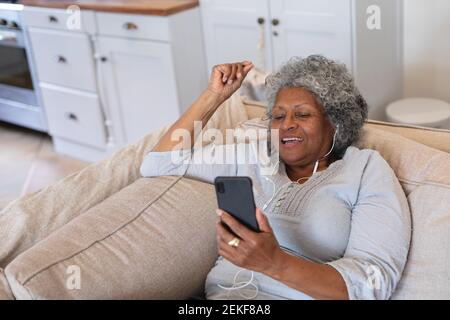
(235, 196)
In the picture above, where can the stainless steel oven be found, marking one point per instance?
(19, 99)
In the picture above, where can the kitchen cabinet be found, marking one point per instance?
(237, 30)
(117, 77)
(59, 19)
(269, 32)
(139, 85)
(64, 58)
(305, 27)
(75, 115)
(66, 71)
(149, 73)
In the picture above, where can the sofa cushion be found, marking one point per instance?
(153, 239)
(414, 164)
(427, 273)
(436, 138)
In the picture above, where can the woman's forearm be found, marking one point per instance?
(317, 280)
(225, 80)
(201, 110)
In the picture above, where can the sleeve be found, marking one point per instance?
(204, 163)
(380, 235)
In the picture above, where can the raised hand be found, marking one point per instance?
(227, 78)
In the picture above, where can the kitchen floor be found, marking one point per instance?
(28, 162)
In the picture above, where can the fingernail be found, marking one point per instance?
(239, 75)
(219, 212)
(225, 79)
(230, 81)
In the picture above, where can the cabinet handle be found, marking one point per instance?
(53, 19)
(130, 26)
(61, 59)
(275, 22)
(261, 20)
(71, 116)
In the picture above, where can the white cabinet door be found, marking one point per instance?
(232, 31)
(305, 27)
(74, 115)
(138, 84)
(64, 58)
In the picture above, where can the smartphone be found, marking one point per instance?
(235, 196)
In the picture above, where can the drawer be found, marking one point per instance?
(60, 19)
(133, 26)
(64, 58)
(74, 115)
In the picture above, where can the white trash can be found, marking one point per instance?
(420, 112)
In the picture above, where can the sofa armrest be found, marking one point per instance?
(33, 217)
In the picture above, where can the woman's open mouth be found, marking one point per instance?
(291, 141)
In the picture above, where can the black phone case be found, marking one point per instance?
(235, 196)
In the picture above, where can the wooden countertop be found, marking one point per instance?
(151, 7)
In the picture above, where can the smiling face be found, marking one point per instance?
(305, 132)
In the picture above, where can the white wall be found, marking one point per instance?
(378, 56)
(427, 48)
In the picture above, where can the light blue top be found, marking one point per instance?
(352, 216)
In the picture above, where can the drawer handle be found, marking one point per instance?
(261, 20)
(130, 26)
(61, 59)
(71, 116)
(53, 19)
(275, 22)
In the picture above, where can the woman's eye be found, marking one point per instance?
(277, 117)
(302, 115)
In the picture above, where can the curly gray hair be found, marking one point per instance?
(334, 88)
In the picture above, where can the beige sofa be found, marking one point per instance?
(106, 233)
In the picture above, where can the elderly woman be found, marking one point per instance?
(336, 223)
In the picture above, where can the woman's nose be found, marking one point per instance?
(289, 124)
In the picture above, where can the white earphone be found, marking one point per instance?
(316, 165)
(241, 285)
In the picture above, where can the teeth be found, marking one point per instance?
(292, 139)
